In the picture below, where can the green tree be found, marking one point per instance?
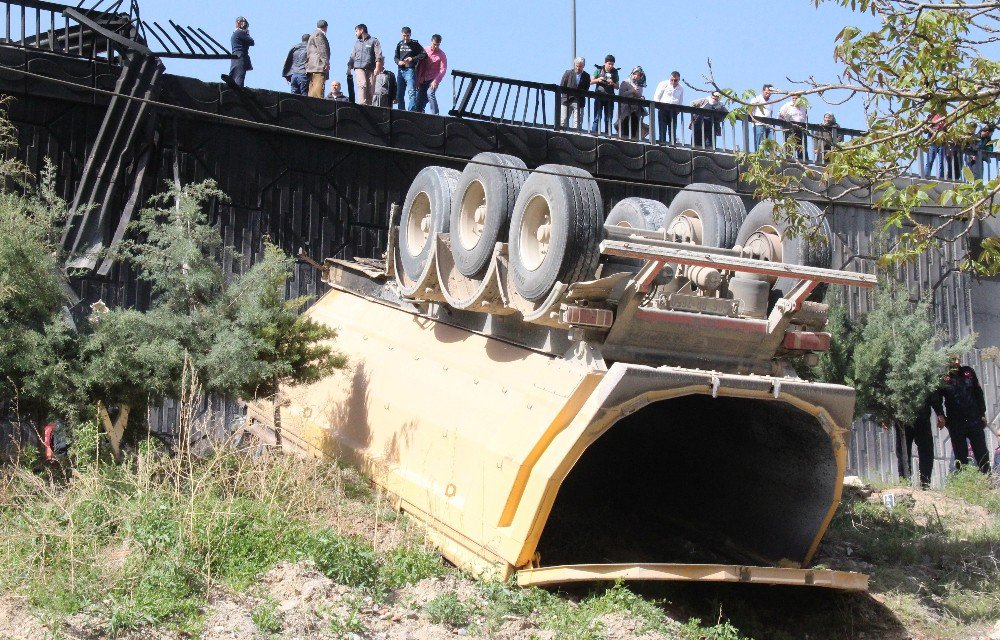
(39, 375)
(925, 60)
(893, 355)
(836, 365)
(207, 332)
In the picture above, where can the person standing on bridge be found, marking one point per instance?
(961, 406)
(384, 93)
(365, 63)
(294, 71)
(335, 93)
(605, 80)
(668, 92)
(409, 53)
(431, 73)
(796, 115)
(630, 115)
(706, 127)
(760, 108)
(318, 60)
(240, 45)
(572, 106)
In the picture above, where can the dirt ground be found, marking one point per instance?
(309, 606)
(303, 604)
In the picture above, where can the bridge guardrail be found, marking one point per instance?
(539, 104)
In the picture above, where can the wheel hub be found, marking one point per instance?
(418, 225)
(686, 227)
(535, 233)
(764, 244)
(472, 220)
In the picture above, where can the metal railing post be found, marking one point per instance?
(557, 121)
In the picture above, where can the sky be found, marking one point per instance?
(749, 43)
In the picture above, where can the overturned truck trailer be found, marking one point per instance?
(565, 398)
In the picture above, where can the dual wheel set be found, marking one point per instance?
(552, 222)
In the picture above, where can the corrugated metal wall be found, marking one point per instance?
(873, 453)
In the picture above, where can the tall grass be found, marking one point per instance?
(147, 543)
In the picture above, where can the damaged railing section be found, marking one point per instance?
(100, 31)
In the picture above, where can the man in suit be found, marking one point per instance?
(575, 78)
(318, 59)
(240, 45)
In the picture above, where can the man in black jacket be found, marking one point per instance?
(240, 45)
(605, 81)
(964, 413)
(918, 432)
(409, 53)
(575, 78)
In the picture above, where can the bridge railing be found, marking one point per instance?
(39, 25)
(538, 104)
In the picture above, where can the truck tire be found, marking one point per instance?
(763, 237)
(426, 212)
(555, 230)
(481, 209)
(706, 214)
(638, 213)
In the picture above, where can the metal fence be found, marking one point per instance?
(537, 104)
(33, 24)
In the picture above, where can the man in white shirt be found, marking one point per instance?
(760, 109)
(796, 114)
(669, 92)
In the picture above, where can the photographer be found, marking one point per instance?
(240, 45)
(605, 81)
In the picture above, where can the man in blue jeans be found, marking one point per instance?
(294, 71)
(605, 81)
(431, 73)
(759, 108)
(409, 53)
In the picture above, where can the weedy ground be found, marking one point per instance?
(257, 545)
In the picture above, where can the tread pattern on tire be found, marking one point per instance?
(472, 262)
(439, 183)
(717, 201)
(581, 256)
(797, 251)
(640, 213)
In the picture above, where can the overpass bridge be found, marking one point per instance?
(91, 93)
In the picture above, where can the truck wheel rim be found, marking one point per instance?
(473, 215)
(535, 233)
(418, 225)
(764, 244)
(687, 227)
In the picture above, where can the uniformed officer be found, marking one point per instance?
(964, 413)
(918, 432)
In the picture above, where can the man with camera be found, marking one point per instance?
(605, 81)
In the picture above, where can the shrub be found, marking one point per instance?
(409, 565)
(448, 609)
(266, 617)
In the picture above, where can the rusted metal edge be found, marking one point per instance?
(564, 574)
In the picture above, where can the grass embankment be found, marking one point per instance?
(154, 542)
(934, 559)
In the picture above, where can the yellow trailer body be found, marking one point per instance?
(561, 468)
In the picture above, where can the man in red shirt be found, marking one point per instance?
(430, 75)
